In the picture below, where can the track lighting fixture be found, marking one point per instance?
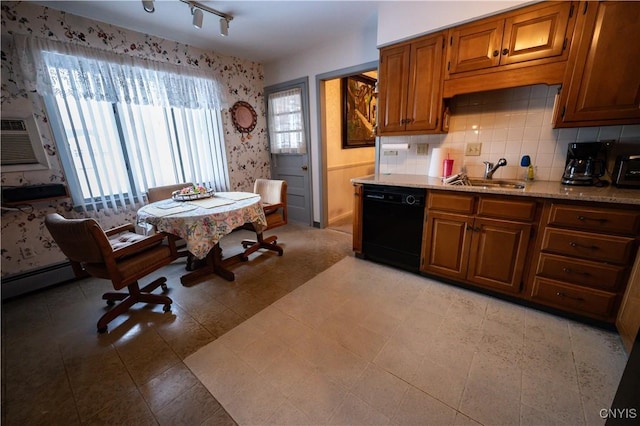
(224, 27)
(197, 17)
(148, 6)
(198, 8)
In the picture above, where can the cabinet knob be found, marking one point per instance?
(496, 53)
(575, 244)
(505, 51)
(561, 294)
(571, 271)
(584, 218)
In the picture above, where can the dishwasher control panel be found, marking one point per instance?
(396, 195)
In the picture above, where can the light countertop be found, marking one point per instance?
(539, 189)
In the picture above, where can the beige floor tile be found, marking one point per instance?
(442, 382)
(418, 408)
(399, 360)
(462, 420)
(530, 416)
(380, 389)
(552, 398)
(318, 397)
(287, 371)
(255, 403)
(354, 411)
(489, 406)
(496, 373)
(288, 414)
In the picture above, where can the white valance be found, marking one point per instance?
(94, 74)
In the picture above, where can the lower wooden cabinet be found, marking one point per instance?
(486, 252)
(584, 257)
(357, 218)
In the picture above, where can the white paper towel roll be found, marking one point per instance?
(435, 165)
(395, 146)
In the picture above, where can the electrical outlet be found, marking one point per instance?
(390, 153)
(27, 252)
(473, 149)
(423, 149)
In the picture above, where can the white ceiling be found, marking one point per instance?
(262, 31)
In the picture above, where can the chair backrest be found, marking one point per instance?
(273, 194)
(81, 240)
(164, 192)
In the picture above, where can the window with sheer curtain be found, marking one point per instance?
(124, 125)
(286, 122)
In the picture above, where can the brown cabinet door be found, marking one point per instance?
(357, 218)
(602, 83)
(475, 46)
(392, 88)
(446, 244)
(537, 34)
(424, 99)
(498, 254)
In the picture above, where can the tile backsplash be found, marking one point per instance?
(508, 123)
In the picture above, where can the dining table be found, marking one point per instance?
(202, 222)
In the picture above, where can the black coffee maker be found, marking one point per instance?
(586, 162)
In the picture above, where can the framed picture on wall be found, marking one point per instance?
(358, 111)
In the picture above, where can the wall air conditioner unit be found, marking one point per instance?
(20, 146)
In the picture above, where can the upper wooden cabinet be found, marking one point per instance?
(410, 86)
(602, 82)
(518, 48)
(537, 33)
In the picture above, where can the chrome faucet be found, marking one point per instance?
(490, 169)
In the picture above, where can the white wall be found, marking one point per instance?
(399, 20)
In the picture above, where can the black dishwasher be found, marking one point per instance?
(392, 221)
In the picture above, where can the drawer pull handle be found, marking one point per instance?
(560, 294)
(571, 271)
(574, 244)
(583, 218)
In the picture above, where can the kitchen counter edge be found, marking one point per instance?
(538, 189)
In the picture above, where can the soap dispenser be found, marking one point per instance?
(526, 162)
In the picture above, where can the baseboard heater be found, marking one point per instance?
(36, 279)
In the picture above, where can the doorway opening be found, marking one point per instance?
(339, 164)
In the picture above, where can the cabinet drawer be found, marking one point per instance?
(507, 209)
(599, 220)
(581, 272)
(573, 298)
(602, 248)
(456, 203)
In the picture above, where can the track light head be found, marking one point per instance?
(148, 6)
(224, 27)
(197, 17)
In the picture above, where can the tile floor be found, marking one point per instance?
(418, 351)
(57, 370)
(365, 344)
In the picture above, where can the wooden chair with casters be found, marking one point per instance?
(273, 194)
(159, 193)
(119, 255)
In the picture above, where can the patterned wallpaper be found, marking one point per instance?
(247, 158)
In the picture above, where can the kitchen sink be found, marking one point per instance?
(497, 183)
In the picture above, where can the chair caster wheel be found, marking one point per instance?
(164, 287)
(110, 303)
(102, 330)
(166, 308)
